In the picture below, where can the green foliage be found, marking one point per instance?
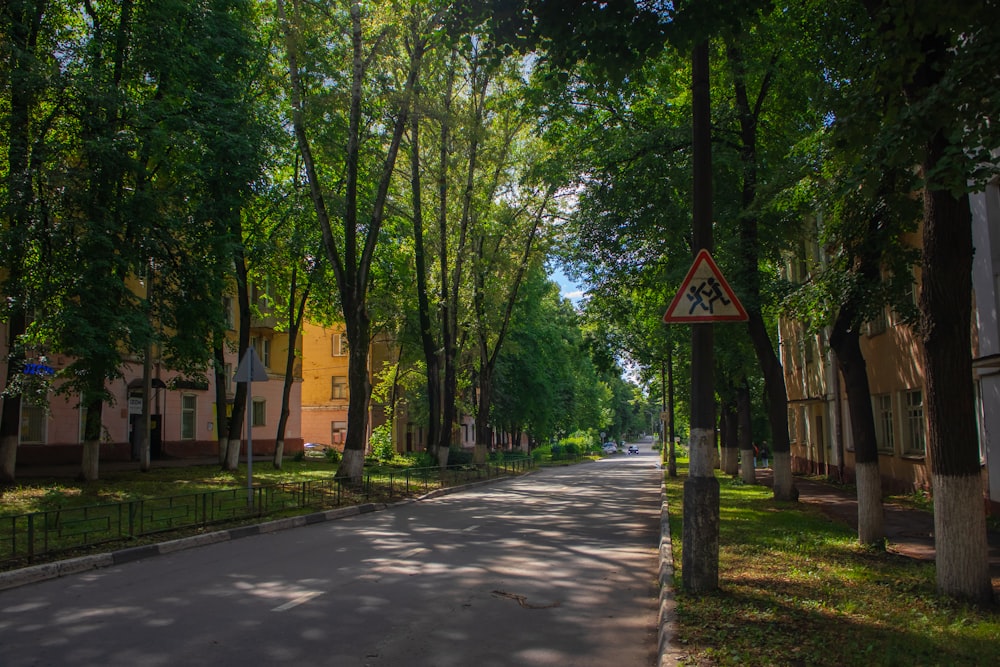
(332, 455)
(542, 453)
(579, 442)
(381, 442)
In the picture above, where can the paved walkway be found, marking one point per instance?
(910, 531)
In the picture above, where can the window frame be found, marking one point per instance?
(258, 411)
(884, 412)
(38, 415)
(340, 347)
(189, 417)
(914, 442)
(344, 392)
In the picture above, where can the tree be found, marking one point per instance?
(30, 112)
(365, 173)
(934, 94)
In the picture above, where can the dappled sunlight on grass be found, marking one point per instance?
(35, 495)
(796, 588)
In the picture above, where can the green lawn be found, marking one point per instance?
(796, 589)
(39, 494)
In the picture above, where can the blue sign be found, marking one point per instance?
(38, 369)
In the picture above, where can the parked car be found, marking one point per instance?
(609, 448)
(633, 449)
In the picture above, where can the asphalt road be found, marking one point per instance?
(555, 568)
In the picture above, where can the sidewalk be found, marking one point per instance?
(910, 532)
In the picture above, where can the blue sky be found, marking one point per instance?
(567, 287)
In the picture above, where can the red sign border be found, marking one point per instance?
(704, 256)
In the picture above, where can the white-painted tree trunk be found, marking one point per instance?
(442, 456)
(233, 455)
(353, 465)
(279, 453)
(91, 460)
(784, 483)
(871, 517)
(730, 462)
(223, 449)
(747, 472)
(960, 544)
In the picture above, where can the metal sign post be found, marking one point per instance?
(250, 369)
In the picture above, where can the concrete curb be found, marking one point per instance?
(667, 618)
(54, 570)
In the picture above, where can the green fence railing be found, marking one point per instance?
(28, 538)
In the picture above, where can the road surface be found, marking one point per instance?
(555, 568)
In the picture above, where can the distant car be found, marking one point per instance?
(633, 449)
(610, 448)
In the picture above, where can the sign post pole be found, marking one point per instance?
(250, 369)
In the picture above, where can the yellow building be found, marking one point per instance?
(183, 409)
(818, 415)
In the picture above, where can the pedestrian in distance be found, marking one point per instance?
(764, 454)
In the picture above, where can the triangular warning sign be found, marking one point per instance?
(251, 369)
(705, 296)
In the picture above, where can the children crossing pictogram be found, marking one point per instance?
(705, 296)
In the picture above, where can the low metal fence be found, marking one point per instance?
(28, 538)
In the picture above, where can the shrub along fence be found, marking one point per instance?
(27, 538)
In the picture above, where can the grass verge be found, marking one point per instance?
(795, 588)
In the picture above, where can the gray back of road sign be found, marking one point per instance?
(250, 369)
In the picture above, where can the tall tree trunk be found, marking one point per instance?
(484, 431)
(235, 422)
(744, 416)
(451, 277)
(294, 324)
(946, 314)
(729, 434)
(93, 425)
(359, 398)
(844, 341)
(221, 403)
(10, 417)
(774, 377)
(352, 259)
(430, 346)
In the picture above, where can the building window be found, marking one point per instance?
(915, 437)
(229, 378)
(189, 413)
(259, 416)
(338, 432)
(33, 420)
(340, 345)
(883, 423)
(262, 346)
(879, 323)
(792, 427)
(338, 390)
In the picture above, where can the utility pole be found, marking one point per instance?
(700, 561)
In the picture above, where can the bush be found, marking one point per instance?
(458, 456)
(381, 442)
(332, 455)
(541, 453)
